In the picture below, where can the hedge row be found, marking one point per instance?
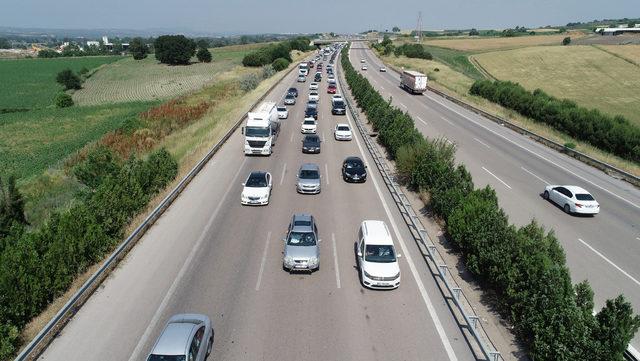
(38, 266)
(269, 54)
(412, 51)
(524, 267)
(612, 134)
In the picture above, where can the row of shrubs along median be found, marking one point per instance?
(38, 265)
(615, 135)
(525, 267)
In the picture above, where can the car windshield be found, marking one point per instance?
(166, 358)
(309, 122)
(290, 96)
(257, 132)
(301, 239)
(256, 180)
(282, 109)
(312, 140)
(311, 108)
(354, 164)
(343, 127)
(584, 197)
(379, 254)
(338, 103)
(309, 174)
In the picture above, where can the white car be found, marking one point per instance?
(283, 113)
(257, 189)
(377, 258)
(313, 86)
(572, 199)
(362, 60)
(314, 96)
(337, 97)
(309, 126)
(364, 67)
(342, 131)
(383, 69)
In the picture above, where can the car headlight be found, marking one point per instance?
(367, 275)
(396, 276)
(313, 260)
(288, 260)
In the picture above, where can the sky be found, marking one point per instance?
(303, 16)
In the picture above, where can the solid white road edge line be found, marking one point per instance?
(532, 152)
(185, 266)
(542, 180)
(335, 259)
(610, 262)
(494, 176)
(264, 260)
(423, 292)
(284, 171)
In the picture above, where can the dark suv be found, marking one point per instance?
(338, 108)
(293, 91)
(311, 144)
(354, 170)
(311, 112)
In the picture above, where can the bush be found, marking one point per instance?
(413, 51)
(525, 267)
(204, 55)
(270, 53)
(249, 82)
(268, 71)
(138, 49)
(48, 53)
(99, 164)
(68, 79)
(280, 64)
(614, 135)
(566, 41)
(9, 337)
(63, 100)
(174, 49)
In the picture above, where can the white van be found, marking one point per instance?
(377, 257)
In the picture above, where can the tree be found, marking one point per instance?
(11, 206)
(204, 55)
(68, 79)
(395, 29)
(5, 44)
(566, 41)
(474, 32)
(202, 43)
(63, 100)
(174, 49)
(138, 49)
(280, 64)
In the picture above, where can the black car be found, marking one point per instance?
(338, 108)
(293, 91)
(318, 78)
(311, 144)
(311, 112)
(354, 170)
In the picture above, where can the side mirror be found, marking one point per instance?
(319, 240)
(359, 254)
(366, 166)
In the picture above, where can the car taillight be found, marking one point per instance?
(578, 205)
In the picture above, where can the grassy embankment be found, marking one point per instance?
(555, 69)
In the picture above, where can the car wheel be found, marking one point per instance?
(567, 209)
(546, 195)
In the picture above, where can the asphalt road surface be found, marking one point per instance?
(208, 254)
(604, 249)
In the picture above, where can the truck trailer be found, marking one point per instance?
(413, 81)
(261, 130)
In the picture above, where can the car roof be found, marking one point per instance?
(311, 136)
(376, 232)
(174, 339)
(576, 189)
(302, 217)
(352, 159)
(310, 166)
(342, 125)
(282, 107)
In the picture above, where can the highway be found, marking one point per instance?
(604, 249)
(209, 254)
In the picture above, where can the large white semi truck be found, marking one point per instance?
(413, 81)
(261, 130)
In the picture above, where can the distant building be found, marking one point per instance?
(109, 45)
(93, 43)
(618, 30)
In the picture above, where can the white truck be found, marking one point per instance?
(261, 130)
(413, 81)
(303, 68)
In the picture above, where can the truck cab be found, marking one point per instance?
(261, 130)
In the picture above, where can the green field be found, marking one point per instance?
(31, 142)
(31, 83)
(131, 80)
(587, 75)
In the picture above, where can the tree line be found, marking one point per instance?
(524, 267)
(615, 135)
(278, 55)
(38, 265)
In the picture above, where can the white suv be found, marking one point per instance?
(309, 126)
(377, 258)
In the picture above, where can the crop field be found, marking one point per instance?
(628, 52)
(495, 43)
(31, 83)
(144, 80)
(590, 76)
(31, 142)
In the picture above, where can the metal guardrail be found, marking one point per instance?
(40, 342)
(427, 247)
(605, 167)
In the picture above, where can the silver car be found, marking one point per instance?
(301, 251)
(186, 337)
(308, 179)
